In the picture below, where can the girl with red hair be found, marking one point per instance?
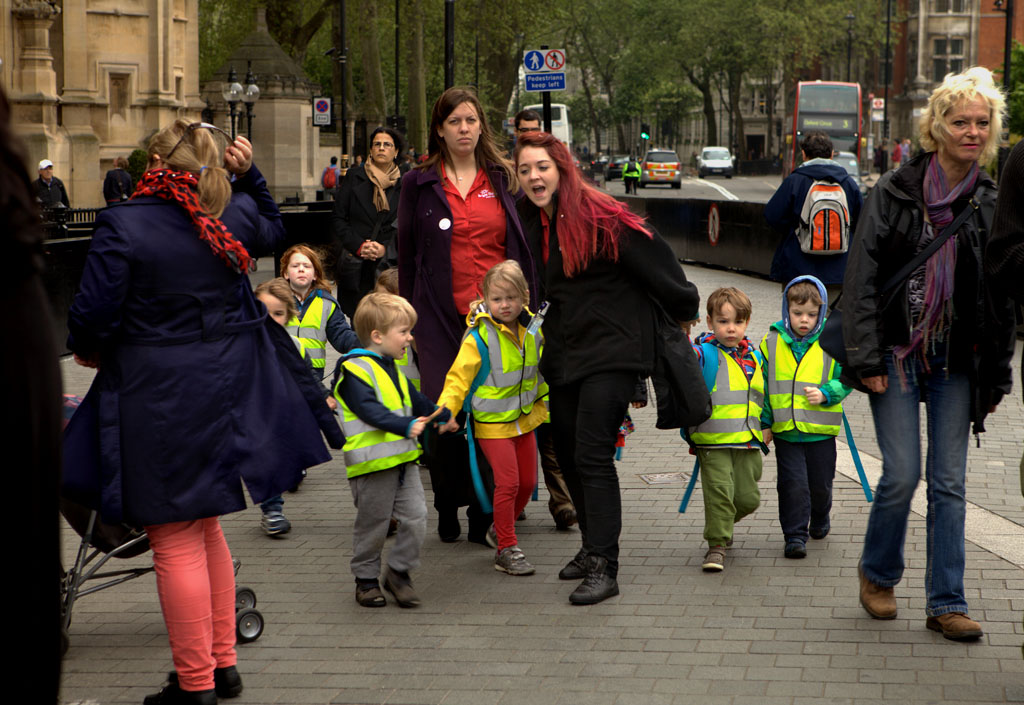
(599, 266)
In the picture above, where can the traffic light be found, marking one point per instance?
(645, 131)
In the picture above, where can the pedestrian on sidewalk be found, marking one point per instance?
(939, 336)
(631, 175)
(187, 369)
(601, 266)
(383, 417)
(507, 405)
(803, 409)
(729, 445)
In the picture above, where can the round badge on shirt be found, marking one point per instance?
(444, 223)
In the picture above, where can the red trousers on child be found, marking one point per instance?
(514, 462)
(196, 582)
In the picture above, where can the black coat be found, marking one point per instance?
(355, 218)
(117, 186)
(981, 341)
(602, 319)
(51, 194)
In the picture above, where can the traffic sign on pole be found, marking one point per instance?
(544, 60)
(538, 82)
(321, 111)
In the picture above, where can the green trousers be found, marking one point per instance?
(728, 479)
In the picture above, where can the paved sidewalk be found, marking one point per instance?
(767, 630)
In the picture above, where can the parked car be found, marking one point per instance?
(661, 166)
(613, 169)
(715, 160)
(849, 162)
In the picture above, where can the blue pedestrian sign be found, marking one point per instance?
(533, 60)
(539, 82)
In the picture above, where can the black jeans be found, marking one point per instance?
(805, 475)
(585, 420)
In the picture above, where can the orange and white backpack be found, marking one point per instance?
(824, 227)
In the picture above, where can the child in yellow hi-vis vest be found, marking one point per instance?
(803, 410)
(729, 444)
(382, 417)
(507, 405)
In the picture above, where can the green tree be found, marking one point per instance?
(1015, 100)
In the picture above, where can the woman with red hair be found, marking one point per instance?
(599, 266)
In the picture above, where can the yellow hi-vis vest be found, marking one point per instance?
(368, 448)
(514, 382)
(312, 331)
(408, 366)
(626, 173)
(786, 381)
(735, 405)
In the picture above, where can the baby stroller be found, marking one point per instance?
(102, 541)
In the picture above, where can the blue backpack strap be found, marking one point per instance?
(710, 352)
(467, 406)
(865, 485)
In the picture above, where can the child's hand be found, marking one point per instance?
(92, 362)
(638, 404)
(766, 433)
(687, 325)
(417, 427)
(814, 395)
(450, 427)
(332, 403)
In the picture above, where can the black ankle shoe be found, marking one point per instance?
(173, 695)
(597, 585)
(226, 681)
(576, 568)
(448, 525)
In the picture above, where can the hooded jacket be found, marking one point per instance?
(783, 214)
(835, 391)
(981, 341)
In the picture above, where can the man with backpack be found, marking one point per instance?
(331, 178)
(816, 208)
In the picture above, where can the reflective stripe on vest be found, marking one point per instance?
(735, 405)
(514, 381)
(409, 368)
(786, 381)
(312, 331)
(368, 448)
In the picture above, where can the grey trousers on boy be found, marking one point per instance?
(378, 496)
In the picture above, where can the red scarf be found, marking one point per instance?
(181, 187)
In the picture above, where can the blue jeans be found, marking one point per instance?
(947, 398)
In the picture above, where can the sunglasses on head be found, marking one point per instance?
(193, 126)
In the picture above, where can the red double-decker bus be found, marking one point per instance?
(830, 107)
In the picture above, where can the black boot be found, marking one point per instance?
(226, 681)
(448, 524)
(597, 586)
(575, 569)
(173, 695)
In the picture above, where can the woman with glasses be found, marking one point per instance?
(364, 219)
(196, 389)
(457, 219)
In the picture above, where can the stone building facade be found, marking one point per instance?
(91, 80)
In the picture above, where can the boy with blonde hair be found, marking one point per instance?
(729, 444)
(382, 417)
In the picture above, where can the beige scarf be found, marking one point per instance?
(381, 181)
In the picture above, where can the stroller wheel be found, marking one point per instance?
(248, 625)
(245, 599)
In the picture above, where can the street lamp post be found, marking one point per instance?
(251, 95)
(232, 94)
(850, 17)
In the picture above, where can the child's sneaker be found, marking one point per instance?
(275, 524)
(714, 560)
(512, 561)
(492, 536)
(795, 549)
(400, 586)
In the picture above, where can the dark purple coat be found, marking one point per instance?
(196, 389)
(425, 267)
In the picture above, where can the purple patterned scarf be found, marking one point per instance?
(936, 295)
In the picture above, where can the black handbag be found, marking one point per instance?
(831, 337)
(682, 397)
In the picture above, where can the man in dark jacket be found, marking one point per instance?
(48, 188)
(117, 184)
(783, 213)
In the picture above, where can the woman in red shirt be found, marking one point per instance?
(456, 219)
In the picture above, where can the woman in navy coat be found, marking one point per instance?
(195, 390)
(448, 213)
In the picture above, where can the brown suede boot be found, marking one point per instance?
(880, 602)
(955, 626)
